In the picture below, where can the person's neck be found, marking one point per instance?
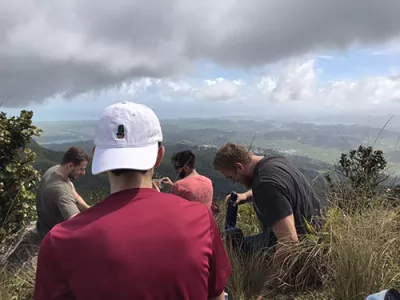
(255, 159)
(61, 170)
(129, 181)
(194, 173)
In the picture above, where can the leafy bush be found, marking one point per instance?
(18, 178)
(357, 178)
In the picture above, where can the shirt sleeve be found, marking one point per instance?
(220, 266)
(272, 203)
(176, 189)
(49, 282)
(66, 203)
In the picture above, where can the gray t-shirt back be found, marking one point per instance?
(55, 201)
(279, 190)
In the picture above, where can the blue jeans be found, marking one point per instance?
(234, 235)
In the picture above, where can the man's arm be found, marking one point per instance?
(277, 213)
(220, 267)
(82, 205)
(67, 205)
(285, 232)
(176, 189)
(249, 196)
(49, 282)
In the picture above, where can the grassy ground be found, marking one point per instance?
(355, 255)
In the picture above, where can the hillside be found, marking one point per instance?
(320, 142)
(89, 183)
(330, 263)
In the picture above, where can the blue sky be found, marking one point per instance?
(267, 59)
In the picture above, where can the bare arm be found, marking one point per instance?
(277, 212)
(82, 205)
(249, 196)
(285, 232)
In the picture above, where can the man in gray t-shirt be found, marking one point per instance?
(284, 201)
(56, 198)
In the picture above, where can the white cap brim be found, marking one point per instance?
(107, 159)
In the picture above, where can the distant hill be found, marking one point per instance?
(204, 156)
(319, 142)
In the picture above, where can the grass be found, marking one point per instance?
(356, 254)
(17, 284)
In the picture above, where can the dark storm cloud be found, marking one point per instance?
(70, 47)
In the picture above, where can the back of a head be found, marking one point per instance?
(127, 139)
(75, 155)
(184, 158)
(229, 154)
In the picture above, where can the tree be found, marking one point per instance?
(18, 177)
(360, 173)
(364, 167)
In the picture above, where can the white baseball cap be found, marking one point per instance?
(127, 136)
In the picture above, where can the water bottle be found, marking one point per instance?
(231, 213)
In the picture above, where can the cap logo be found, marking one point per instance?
(121, 132)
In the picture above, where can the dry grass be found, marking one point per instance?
(355, 255)
(17, 284)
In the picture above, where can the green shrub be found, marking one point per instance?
(18, 178)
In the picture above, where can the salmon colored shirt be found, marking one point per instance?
(195, 188)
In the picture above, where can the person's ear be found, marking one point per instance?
(160, 156)
(239, 167)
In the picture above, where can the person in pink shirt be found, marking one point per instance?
(191, 185)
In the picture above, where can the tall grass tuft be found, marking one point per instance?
(356, 254)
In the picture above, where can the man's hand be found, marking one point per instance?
(156, 185)
(167, 181)
(241, 199)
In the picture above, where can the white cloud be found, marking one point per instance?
(134, 87)
(220, 89)
(368, 93)
(70, 47)
(176, 90)
(297, 84)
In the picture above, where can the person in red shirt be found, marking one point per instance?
(131, 245)
(191, 185)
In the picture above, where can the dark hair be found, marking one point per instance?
(75, 155)
(119, 172)
(184, 158)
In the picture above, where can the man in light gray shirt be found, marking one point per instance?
(56, 198)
